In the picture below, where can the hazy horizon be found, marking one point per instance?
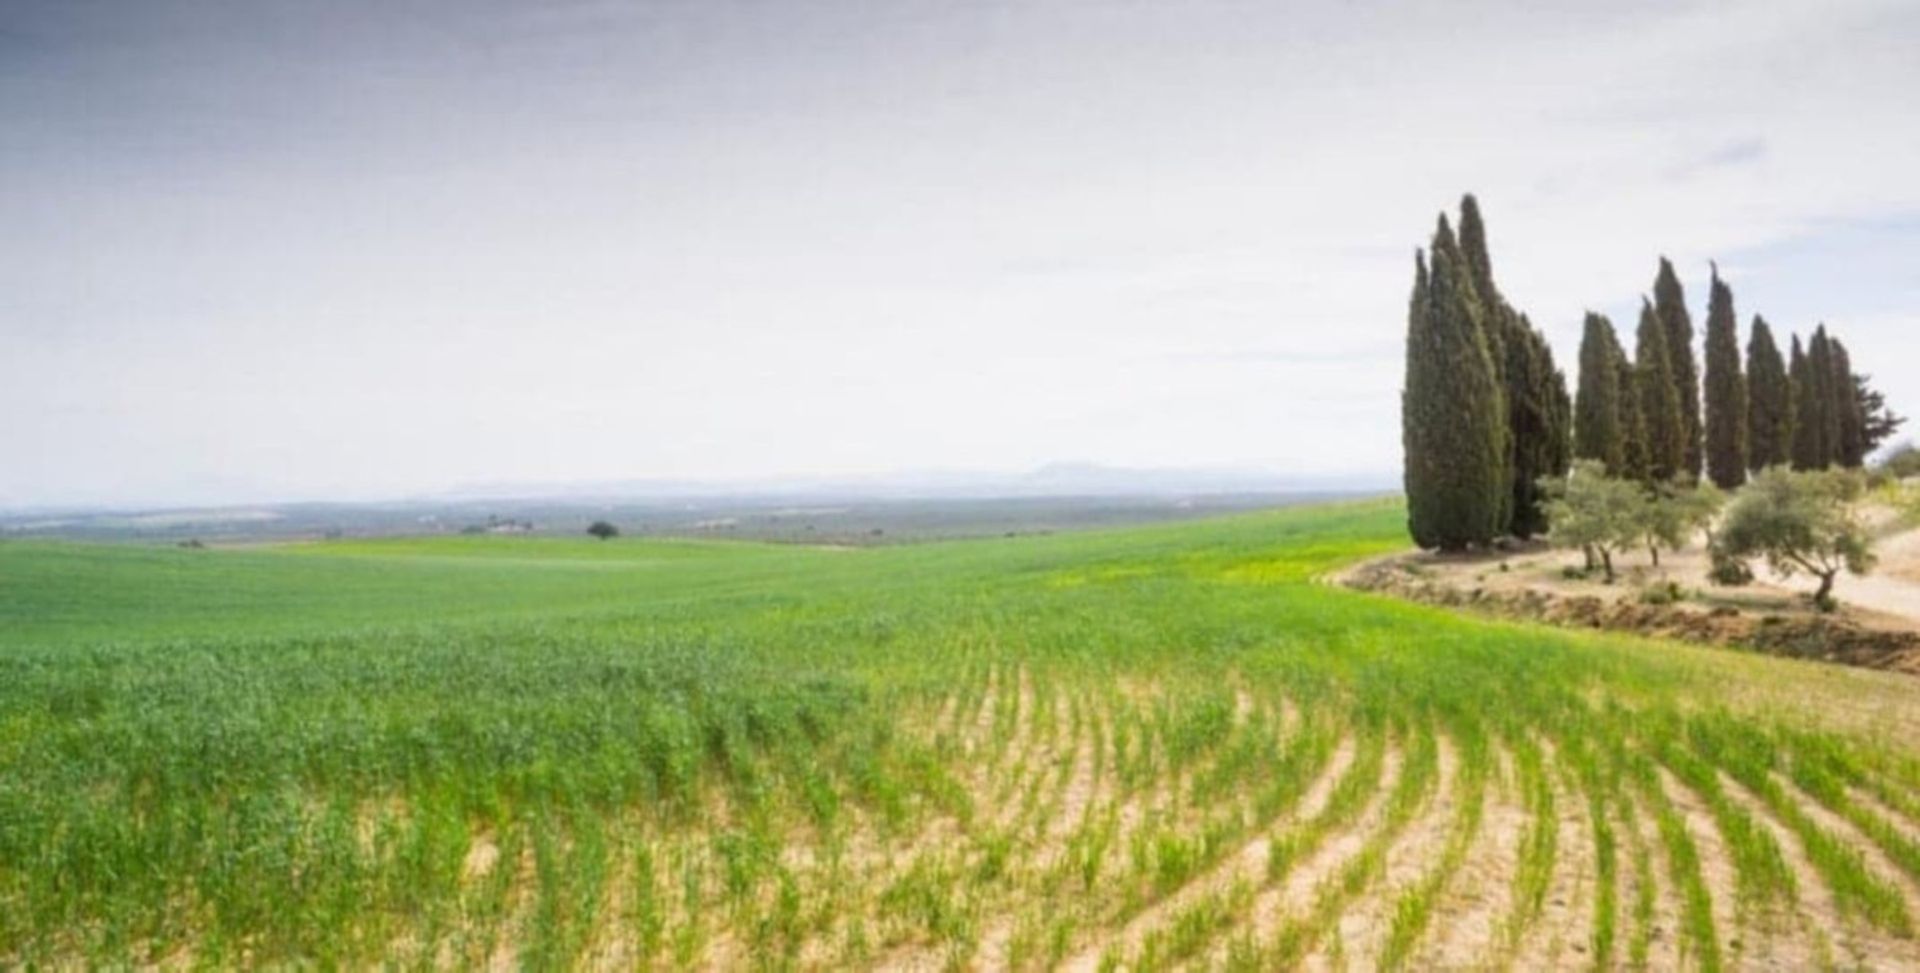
(1052, 480)
(270, 250)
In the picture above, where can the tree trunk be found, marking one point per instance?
(1606, 561)
(1823, 599)
(1592, 561)
(1653, 551)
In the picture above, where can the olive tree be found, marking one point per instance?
(1594, 512)
(1672, 512)
(603, 529)
(1798, 521)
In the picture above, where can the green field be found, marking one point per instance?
(1162, 746)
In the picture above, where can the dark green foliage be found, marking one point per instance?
(1726, 387)
(603, 530)
(1540, 416)
(1539, 413)
(1599, 423)
(1670, 306)
(1660, 409)
(1809, 450)
(1877, 422)
(1850, 422)
(1502, 326)
(1769, 401)
(1633, 421)
(1452, 408)
(1473, 247)
(1816, 443)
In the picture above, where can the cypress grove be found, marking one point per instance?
(1726, 391)
(1769, 401)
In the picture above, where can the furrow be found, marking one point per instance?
(1561, 934)
(1467, 916)
(1716, 864)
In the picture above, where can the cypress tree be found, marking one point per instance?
(1809, 411)
(1633, 420)
(1540, 416)
(1769, 401)
(1452, 408)
(1826, 410)
(1599, 431)
(1670, 305)
(1502, 327)
(1726, 417)
(1473, 247)
(1660, 410)
(1557, 451)
(1877, 422)
(1850, 443)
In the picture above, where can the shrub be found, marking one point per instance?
(603, 530)
(1663, 593)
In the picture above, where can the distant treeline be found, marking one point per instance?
(1486, 416)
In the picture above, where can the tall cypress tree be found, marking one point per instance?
(1670, 305)
(1850, 443)
(1633, 420)
(1599, 430)
(1826, 409)
(1769, 401)
(1558, 450)
(1726, 387)
(1452, 408)
(1502, 325)
(1809, 411)
(1660, 410)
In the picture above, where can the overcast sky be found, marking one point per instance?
(261, 249)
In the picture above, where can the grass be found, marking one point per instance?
(456, 751)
